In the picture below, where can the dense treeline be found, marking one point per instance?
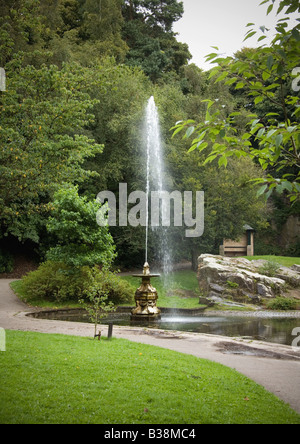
(78, 75)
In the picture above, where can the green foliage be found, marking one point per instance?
(20, 27)
(54, 281)
(60, 31)
(72, 114)
(6, 261)
(270, 268)
(79, 241)
(272, 138)
(283, 304)
(97, 306)
(159, 14)
(148, 33)
(232, 284)
(43, 114)
(84, 31)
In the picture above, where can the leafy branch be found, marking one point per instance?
(270, 140)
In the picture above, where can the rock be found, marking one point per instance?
(205, 301)
(290, 275)
(264, 291)
(237, 277)
(214, 297)
(217, 288)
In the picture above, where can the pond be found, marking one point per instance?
(277, 330)
(266, 326)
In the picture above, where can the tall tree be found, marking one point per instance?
(43, 114)
(156, 13)
(83, 30)
(20, 28)
(148, 33)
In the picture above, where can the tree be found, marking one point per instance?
(271, 140)
(230, 200)
(44, 143)
(156, 13)
(78, 239)
(97, 307)
(92, 29)
(148, 33)
(20, 28)
(62, 31)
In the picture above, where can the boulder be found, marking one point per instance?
(239, 279)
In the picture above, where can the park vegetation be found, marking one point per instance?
(60, 379)
(78, 75)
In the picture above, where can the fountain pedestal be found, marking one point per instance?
(146, 297)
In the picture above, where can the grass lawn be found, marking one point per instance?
(65, 380)
(281, 260)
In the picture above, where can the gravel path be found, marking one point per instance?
(274, 366)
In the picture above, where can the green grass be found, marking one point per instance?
(281, 260)
(171, 289)
(60, 379)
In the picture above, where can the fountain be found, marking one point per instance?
(156, 182)
(146, 295)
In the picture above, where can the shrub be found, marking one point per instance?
(119, 291)
(270, 268)
(55, 281)
(77, 239)
(6, 262)
(281, 303)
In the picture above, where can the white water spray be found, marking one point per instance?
(155, 179)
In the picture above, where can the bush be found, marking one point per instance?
(55, 281)
(77, 239)
(281, 303)
(6, 262)
(269, 269)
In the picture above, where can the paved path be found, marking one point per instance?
(276, 367)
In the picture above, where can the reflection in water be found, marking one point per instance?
(276, 329)
(266, 329)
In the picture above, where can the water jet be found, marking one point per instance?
(146, 295)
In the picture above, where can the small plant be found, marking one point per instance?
(281, 303)
(270, 268)
(97, 307)
(232, 284)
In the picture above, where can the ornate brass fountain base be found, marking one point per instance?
(146, 298)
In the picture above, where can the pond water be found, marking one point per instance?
(274, 327)
(277, 330)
